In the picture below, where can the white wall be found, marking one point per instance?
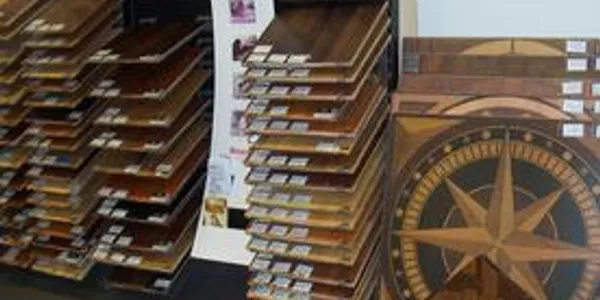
(533, 18)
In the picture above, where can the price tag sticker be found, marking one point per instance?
(120, 120)
(114, 144)
(298, 162)
(259, 244)
(261, 193)
(282, 197)
(302, 287)
(597, 64)
(106, 83)
(257, 57)
(576, 46)
(124, 241)
(298, 180)
(301, 90)
(573, 106)
(258, 211)
(263, 278)
(133, 169)
(282, 282)
(279, 230)
(116, 229)
(259, 228)
(153, 146)
(119, 213)
(300, 126)
(597, 132)
(279, 213)
(259, 125)
(256, 108)
(98, 142)
(277, 58)
(302, 199)
(596, 89)
(301, 250)
(259, 156)
(573, 130)
(257, 72)
(259, 89)
(279, 90)
(300, 215)
(118, 257)
(281, 268)
(112, 93)
(300, 73)
(597, 107)
(134, 260)
(258, 175)
(104, 211)
(577, 64)
(277, 73)
(279, 125)
(108, 238)
(299, 233)
(303, 271)
(101, 255)
(161, 283)
(159, 199)
(120, 194)
(278, 247)
(105, 192)
(326, 115)
(328, 147)
(261, 264)
(262, 49)
(298, 58)
(277, 160)
(279, 110)
(279, 178)
(281, 294)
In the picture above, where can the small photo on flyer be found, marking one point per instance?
(242, 46)
(215, 212)
(242, 11)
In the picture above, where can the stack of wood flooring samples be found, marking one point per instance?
(496, 170)
(154, 132)
(315, 125)
(58, 41)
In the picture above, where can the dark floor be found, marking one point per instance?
(200, 280)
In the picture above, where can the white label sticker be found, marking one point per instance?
(133, 169)
(259, 89)
(597, 107)
(302, 90)
(328, 147)
(259, 228)
(279, 125)
(573, 130)
(572, 87)
(261, 264)
(298, 58)
(298, 161)
(124, 241)
(277, 58)
(257, 57)
(597, 131)
(282, 282)
(300, 215)
(279, 110)
(121, 120)
(255, 108)
(259, 156)
(278, 247)
(112, 93)
(302, 199)
(282, 197)
(577, 65)
(134, 260)
(263, 278)
(299, 180)
(279, 90)
(258, 175)
(277, 160)
(257, 72)
(300, 126)
(105, 191)
(573, 106)
(279, 230)
(262, 49)
(300, 73)
(108, 238)
(259, 244)
(281, 268)
(301, 250)
(597, 64)
(302, 287)
(258, 211)
(303, 271)
(98, 142)
(596, 89)
(299, 233)
(279, 178)
(113, 144)
(120, 194)
(279, 213)
(277, 73)
(576, 46)
(258, 125)
(119, 213)
(117, 257)
(116, 229)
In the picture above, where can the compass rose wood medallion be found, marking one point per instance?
(508, 197)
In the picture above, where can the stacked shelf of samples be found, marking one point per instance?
(105, 137)
(154, 136)
(61, 168)
(317, 113)
(497, 173)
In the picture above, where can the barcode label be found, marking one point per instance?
(573, 130)
(577, 65)
(573, 106)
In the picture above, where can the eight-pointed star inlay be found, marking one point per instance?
(501, 234)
